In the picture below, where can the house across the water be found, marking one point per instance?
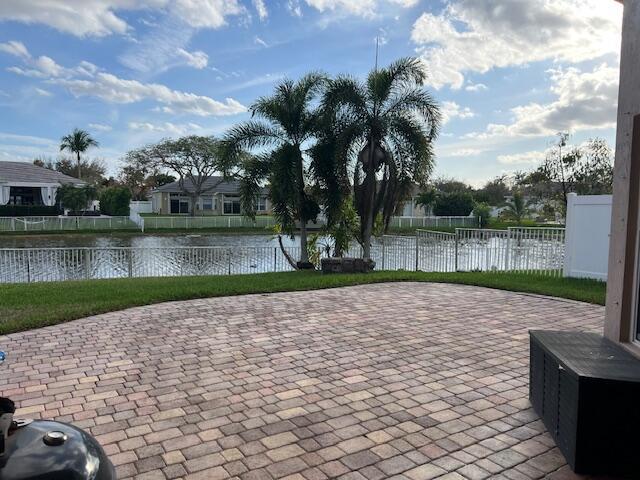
(219, 197)
(26, 184)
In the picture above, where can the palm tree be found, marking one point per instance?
(286, 126)
(517, 209)
(77, 142)
(389, 124)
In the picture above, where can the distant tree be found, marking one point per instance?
(427, 199)
(516, 209)
(194, 159)
(93, 171)
(115, 200)
(160, 179)
(583, 170)
(75, 198)
(453, 204)
(493, 192)
(77, 142)
(593, 173)
(451, 185)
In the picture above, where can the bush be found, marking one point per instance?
(455, 204)
(75, 198)
(483, 212)
(28, 211)
(114, 201)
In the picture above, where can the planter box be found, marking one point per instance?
(347, 265)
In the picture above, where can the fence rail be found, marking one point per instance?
(34, 224)
(136, 221)
(528, 250)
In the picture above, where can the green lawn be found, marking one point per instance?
(23, 307)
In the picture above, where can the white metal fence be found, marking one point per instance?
(434, 222)
(34, 224)
(531, 250)
(137, 221)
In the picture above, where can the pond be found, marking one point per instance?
(141, 240)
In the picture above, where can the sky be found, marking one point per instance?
(508, 74)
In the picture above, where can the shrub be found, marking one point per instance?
(115, 201)
(453, 204)
(28, 211)
(483, 212)
(75, 198)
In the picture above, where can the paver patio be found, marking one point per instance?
(405, 381)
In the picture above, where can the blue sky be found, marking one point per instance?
(509, 74)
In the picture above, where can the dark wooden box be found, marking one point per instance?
(586, 389)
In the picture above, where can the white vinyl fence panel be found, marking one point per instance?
(588, 229)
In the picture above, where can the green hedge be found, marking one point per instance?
(28, 211)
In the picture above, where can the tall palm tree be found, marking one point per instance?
(285, 126)
(77, 142)
(389, 124)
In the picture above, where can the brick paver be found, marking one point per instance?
(407, 381)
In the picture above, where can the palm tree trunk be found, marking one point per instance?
(304, 251)
(370, 195)
(79, 171)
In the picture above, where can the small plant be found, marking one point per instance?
(483, 212)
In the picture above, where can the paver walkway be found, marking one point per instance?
(405, 381)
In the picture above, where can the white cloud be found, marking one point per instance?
(198, 59)
(477, 36)
(294, 8)
(465, 152)
(98, 18)
(205, 13)
(451, 110)
(364, 8)
(258, 41)
(86, 80)
(476, 87)
(43, 93)
(584, 100)
(113, 89)
(524, 158)
(261, 8)
(165, 128)
(101, 127)
(15, 48)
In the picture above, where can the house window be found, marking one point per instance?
(208, 203)
(231, 206)
(261, 204)
(179, 203)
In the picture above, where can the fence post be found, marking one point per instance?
(229, 265)
(275, 259)
(507, 254)
(28, 266)
(142, 224)
(130, 262)
(383, 252)
(455, 260)
(110, 224)
(13, 224)
(416, 251)
(87, 263)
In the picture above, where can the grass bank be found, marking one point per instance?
(23, 307)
